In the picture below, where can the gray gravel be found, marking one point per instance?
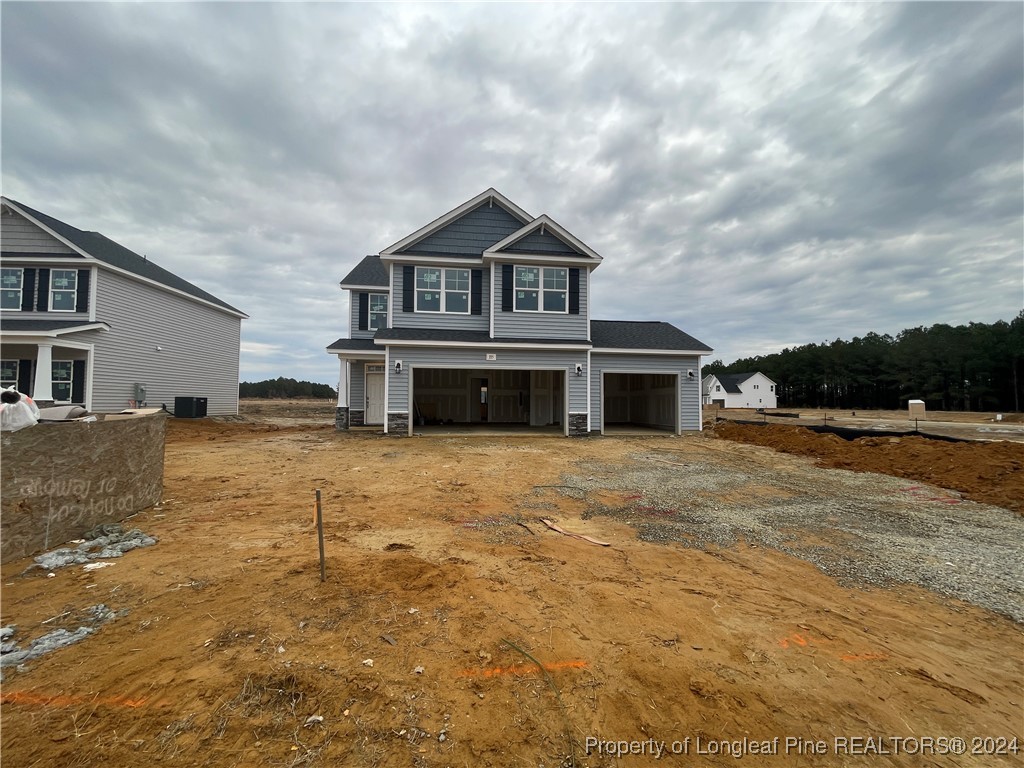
(860, 528)
(109, 541)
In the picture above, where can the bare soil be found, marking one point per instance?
(228, 649)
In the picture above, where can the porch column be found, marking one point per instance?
(341, 415)
(42, 387)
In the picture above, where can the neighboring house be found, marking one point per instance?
(84, 320)
(483, 316)
(739, 390)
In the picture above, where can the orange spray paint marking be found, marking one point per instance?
(27, 697)
(519, 669)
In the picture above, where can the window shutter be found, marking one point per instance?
(477, 292)
(408, 288)
(78, 381)
(28, 290)
(82, 297)
(43, 292)
(574, 291)
(364, 311)
(25, 376)
(507, 281)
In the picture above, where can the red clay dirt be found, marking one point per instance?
(229, 651)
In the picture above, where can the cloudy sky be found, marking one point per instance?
(761, 175)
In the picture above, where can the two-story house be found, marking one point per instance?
(484, 316)
(84, 320)
(739, 390)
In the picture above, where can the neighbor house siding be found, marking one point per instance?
(471, 234)
(198, 356)
(443, 320)
(689, 400)
(540, 325)
(20, 235)
(476, 359)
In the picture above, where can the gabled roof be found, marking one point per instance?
(368, 272)
(628, 334)
(419, 241)
(542, 237)
(731, 381)
(101, 248)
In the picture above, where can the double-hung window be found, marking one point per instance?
(62, 374)
(63, 290)
(541, 289)
(442, 290)
(8, 374)
(12, 281)
(378, 315)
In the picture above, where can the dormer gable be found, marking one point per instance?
(543, 238)
(466, 231)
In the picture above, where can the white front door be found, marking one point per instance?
(374, 398)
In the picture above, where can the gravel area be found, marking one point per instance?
(861, 528)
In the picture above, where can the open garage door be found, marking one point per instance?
(640, 400)
(504, 397)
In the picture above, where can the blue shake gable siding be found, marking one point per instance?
(471, 234)
(546, 243)
(540, 325)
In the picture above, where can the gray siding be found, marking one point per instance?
(471, 234)
(444, 320)
(474, 358)
(689, 401)
(357, 386)
(353, 313)
(199, 348)
(540, 325)
(19, 234)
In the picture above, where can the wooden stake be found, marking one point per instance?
(320, 536)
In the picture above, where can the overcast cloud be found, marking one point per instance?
(760, 175)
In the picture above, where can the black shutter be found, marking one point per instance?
(574, 291)
(506, 287)
(28, 290)
(78, 381)
(364, 311)
(25, 376)
(43, 291)
(476, 292)
(408, 288)
(82, 297)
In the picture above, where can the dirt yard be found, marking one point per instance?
(746, 595)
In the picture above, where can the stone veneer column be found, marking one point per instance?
(578, 424)
(340, 418)
(398, 424)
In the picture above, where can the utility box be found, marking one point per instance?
(916, 408)
(190, 407)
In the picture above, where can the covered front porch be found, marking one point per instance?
(46, 362)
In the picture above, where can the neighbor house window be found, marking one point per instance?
(718, 388)
(378, 311)
(63, 290)
(8, 374)
(541, 289)
(11, 282)
(442, 290)
(62, 373)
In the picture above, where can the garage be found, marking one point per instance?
(456, 396)
(640, 400)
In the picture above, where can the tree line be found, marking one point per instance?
(286, 388)
(974, 367)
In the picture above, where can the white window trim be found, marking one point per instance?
(370, 312)
(21, 291)
(540, 292)
(17, 373)
(443, 290)
(72, 291)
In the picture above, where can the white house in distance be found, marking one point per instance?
(739, 390)
(84, 320)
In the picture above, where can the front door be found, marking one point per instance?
(374, 398)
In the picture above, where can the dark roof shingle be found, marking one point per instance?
(369, 271)
(630, 334)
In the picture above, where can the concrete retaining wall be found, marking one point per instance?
(58, 481)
